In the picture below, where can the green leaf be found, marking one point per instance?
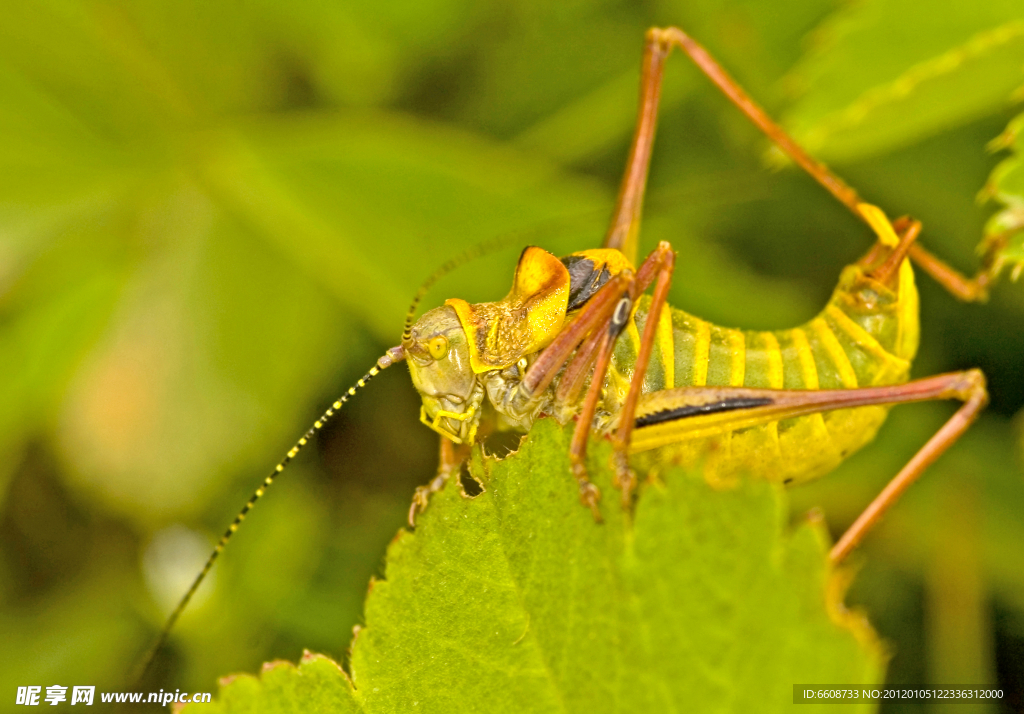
(1004, 233)
(884, 74)
(233, 314)
(600, 68)
(516, 600)
(225, 255)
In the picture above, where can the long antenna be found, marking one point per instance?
(395, 354)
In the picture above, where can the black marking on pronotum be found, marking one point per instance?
(620, 318)
(584, 279)
(726, 405)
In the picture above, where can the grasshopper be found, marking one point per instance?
(578, 339)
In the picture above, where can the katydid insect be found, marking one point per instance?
(576, 339)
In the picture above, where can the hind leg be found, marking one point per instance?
(675, 415)
(960, 286)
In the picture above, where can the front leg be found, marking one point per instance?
(589, 494)
(660, 263)
(450, 462)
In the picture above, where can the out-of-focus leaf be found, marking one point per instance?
(287, 538)
(52, 315)
(84, 631)
(252, 249)
(233, 312)
(884, 74)
(76, 635)
(757, 41)
(1019, 431)
(1004, 233)
(597, 120)
(546, 57)
(517, 600)
(189, 61)
(380, 200)
(176, 389)
(708, 282)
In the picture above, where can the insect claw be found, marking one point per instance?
(421, 498)
(416, 506)
(419, 503)
(590, 496)
(625, 480)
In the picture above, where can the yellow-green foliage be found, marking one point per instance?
(213, 214)
(518, 601)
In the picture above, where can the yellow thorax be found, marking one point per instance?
(525, 321)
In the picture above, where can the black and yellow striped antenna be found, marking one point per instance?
(395, 354)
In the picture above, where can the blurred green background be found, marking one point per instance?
(213, 216)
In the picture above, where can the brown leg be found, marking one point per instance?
(625, 223)
(591, 317)
(450, 462)
(886, 272)
(598, 350)
(975, 398)
(575, 375)
(589, 493)
(960, 286)
(833, 184)
(624, 229)
(881, 253)
(663, 261)
(602, 321)
(576, 371)
(695, 412)
(956, 283)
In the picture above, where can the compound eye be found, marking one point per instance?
(438, 347)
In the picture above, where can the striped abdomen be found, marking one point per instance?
(865, 336)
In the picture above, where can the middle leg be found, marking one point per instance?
(452, 457)
(660, 263)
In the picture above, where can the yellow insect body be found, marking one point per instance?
(787, 405)
(866, 336)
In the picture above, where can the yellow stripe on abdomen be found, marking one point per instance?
(701, 351)
(738, 345)
(836, 354)
(667, 346)
(773, 355)
(805, 358)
